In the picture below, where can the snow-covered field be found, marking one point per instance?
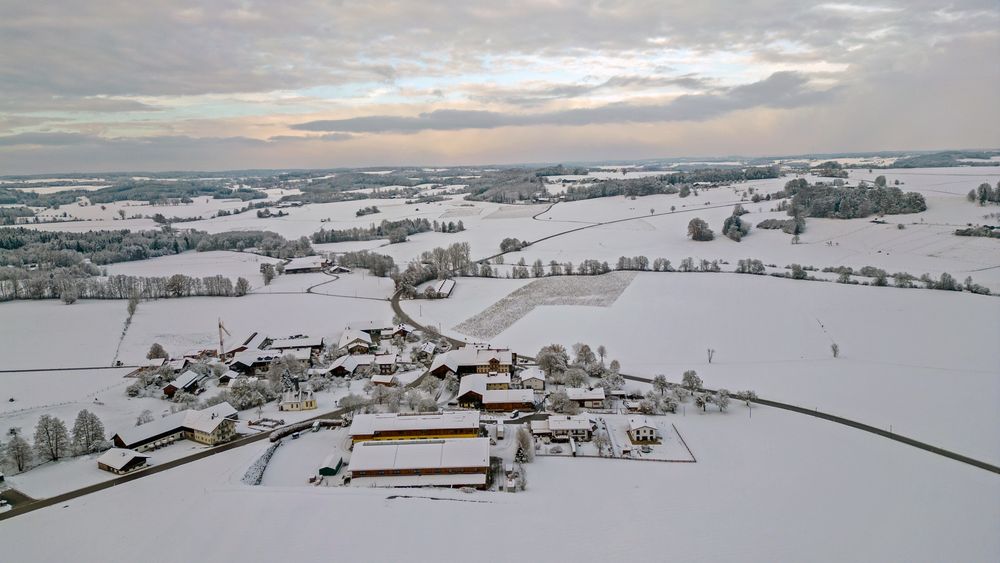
(922, 361)
(777, 487)
(577, 291)
(200, 264)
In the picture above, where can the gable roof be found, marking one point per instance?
(500, 396)
(186, 379)
(350, 336)
(533, 373)
(118, 458)
(368, 424)
(581, 394)
(301, 342)
(639, 421)
(565, 422)
(421, 454)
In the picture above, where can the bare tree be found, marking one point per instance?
(88, 433)
(157, 351)
(835, 348)
(51, 438)
(144, 417)
(525, 445)
(602, 441)
(602, 352)
(18, 452)
(711, 354)
(660, 384)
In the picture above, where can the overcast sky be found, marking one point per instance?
(108, 85)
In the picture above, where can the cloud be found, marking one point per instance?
(780, 90)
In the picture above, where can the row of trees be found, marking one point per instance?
(23, 284)
(985, 194)
(395, 231)
(53, 441)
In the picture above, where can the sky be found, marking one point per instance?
(108, 85)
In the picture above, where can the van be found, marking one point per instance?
(315, 426)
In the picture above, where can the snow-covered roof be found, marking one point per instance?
(302, 342)
(472, 356)
(639, 421)
(382, 359)
(301, 354)
(305, 263)
(445, 286)
(251, 357)
(421, 454)
(474, 382)
(186, 379)
(370, 325)
(533, 372)
(351, 335)
(138, 434)
(118, 458)
(351, 362)
(497, 378)
(369, 424)
(428, 348)
(565, 422)
(383, 379)
(207, 420)
(499, 396)
(402, 327)
(581, 394)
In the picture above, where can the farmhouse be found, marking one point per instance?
(374, 329)
(210, 426)
(255, 341)
(385, 380)
(188, 382)
(301, 400)
(347, 365)
(476, 358)
(563, 427)
(396, 330)
(356, 342)
(146, 366)
(121, 460)
(508, 399)
(227, 377)
(587, 398)
(314, 344)
(393, 426)
(641, 430)
(254, 362)
(421, 463)
(386, 363)
(306, 264)
(532, 378)
(471, 390)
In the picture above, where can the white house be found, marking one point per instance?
(587, 398)
(563, 427)
(642, 430)
(121, 460)
(356, 342)
(533, 378)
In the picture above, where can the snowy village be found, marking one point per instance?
(560, 281)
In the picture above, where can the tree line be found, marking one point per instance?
(395, 231)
